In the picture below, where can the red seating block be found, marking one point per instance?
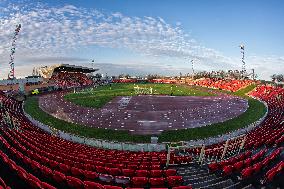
(182, 187)
(247, 173)
(34, 184)
(59, 177)
(112, 187)
(170, 172)
(64, 168)
(76, 171)
(157, 182)
(90, 175)
(101, 169)
(22, 174)
(155, 167)
(156, 173)
(174, 180)
(248, 162)
(74, 182)
(142, 173)
(139, 181)
(92, 185)
(114, 171)
(47, 186)
(53, 164)
(34, 178)
(128, 172)
(257, 167)
(227, 170)
(238, 166)
(213, 167)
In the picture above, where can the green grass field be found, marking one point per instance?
(97, 98)
(254, 112)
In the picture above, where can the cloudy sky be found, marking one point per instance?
(140, 37)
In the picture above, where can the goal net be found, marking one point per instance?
(143, 90)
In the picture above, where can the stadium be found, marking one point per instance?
(77, 132)
(69, 126)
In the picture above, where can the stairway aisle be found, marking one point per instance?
(199, 178)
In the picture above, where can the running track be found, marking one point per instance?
(147, 114)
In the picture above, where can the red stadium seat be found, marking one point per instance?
(64, 168)
(34, 184)
(257, 167)
(238, 166)
(156, 173)
(46, 172)
(92, 185)
(112, 187)
(90, 175)
(227, 170)
(170, 172)
(74, 182)
(76, 172)
(142, 173)
(139, 181)
(59, 177)
(174, 180)
(157, 182)
(47, 186)
(182, 187)
(247, 173)
(213, 167)
(128, 172)
(101, 169)
(114, 171)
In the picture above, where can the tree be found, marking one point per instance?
(277, 77)
(98, 75)
(120, 75)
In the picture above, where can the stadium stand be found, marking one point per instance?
(225, 84)
(67, 79)
(37, 159)
(263, 146)
(41, 164)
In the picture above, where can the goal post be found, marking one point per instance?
(143, 90)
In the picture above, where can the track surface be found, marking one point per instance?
(147, 114)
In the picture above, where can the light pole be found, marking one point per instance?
(243, 60)
(192, 67)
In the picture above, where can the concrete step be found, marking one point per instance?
(219, 185)
(249, 187)
(198, 174)
(234, 186)
(204, 183)
(209, 177)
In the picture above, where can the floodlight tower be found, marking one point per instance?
(93, 61)
(11, 74)
(192, 67)
(243, 60)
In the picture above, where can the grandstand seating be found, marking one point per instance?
(269, 135)
(62, 163)
(68, 79)
(39, 160)
(229, 85)
(3, 184)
